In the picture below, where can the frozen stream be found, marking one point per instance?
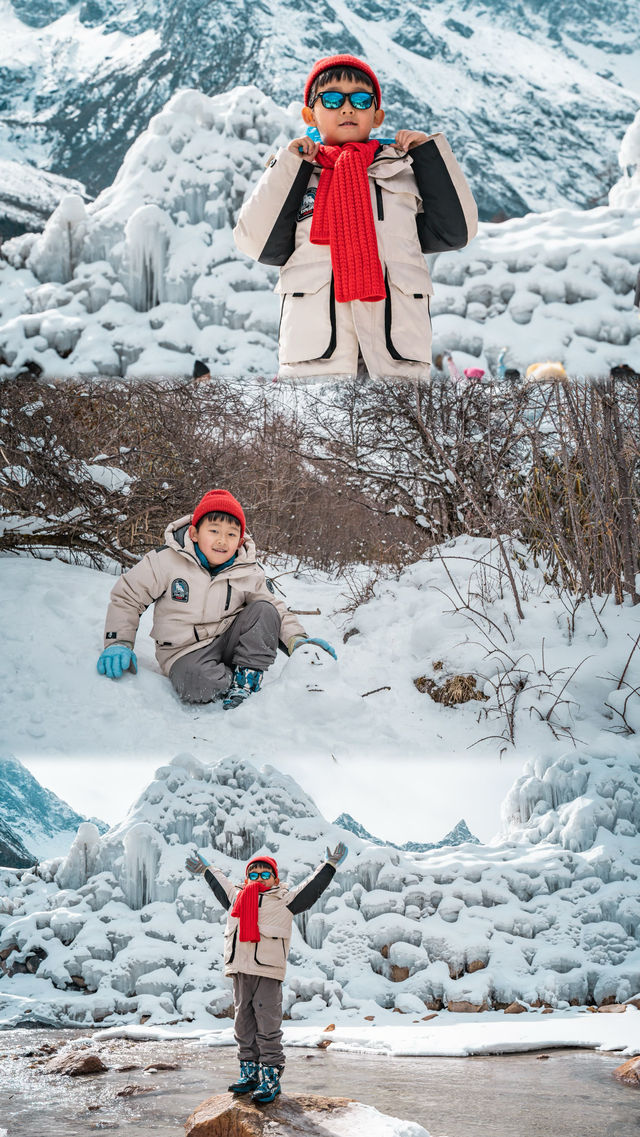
(569, 1091)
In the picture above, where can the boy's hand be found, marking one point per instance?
(304, 147)
(405, 139)
(115, 659)
(336, 857)
(196, 864)
(298, 641)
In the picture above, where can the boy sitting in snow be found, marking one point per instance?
(217, 621)
(257, 935)
(348, 222)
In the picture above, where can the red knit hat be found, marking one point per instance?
(264, 861)
(220, 501)
(346, 61)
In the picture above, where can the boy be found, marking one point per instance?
(348, 222)
(217, 621)
(256, 939)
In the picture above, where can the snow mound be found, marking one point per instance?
(147, 278)
(117, 931)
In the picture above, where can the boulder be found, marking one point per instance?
(475, 965)
(612, 1008)
(75, 1063)
(290, 1114)
(634, 1001)
(461, 1007)
(629, 1073)
(514, 1009)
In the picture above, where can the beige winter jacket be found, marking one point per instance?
(276, 910)
(191, 606)
(421, 203)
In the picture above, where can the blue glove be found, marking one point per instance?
(314, 640)
(197, 863)
(115, 659)
(338, 855)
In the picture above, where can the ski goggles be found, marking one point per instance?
(333, 100)
(260, 875)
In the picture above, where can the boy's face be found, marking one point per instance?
(258, 872)
(218, 540)
(346, 124)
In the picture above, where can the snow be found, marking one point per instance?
(546, 910)
(147, 277)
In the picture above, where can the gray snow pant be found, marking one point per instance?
(250, 641)
(258, 1019)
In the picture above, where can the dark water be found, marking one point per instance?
(569, 1094)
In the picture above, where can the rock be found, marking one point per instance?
(226, 1116)
(425, 1018)
(130, 1090)
(78, 1062)
(398, 974)
(514, 1009)
(160, 1066)
(628, 1073)
(475, 965)
(634, 1001)
(332, 1026)
(547, 1010)
(461, 1007)
(612, 1008)
(324, 1042)
(369, 1018)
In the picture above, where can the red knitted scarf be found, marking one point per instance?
(343, 219)
(246, 909)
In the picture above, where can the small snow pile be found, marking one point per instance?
(147, 277)
(118, 932)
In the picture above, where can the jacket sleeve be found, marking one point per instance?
(222, 888)
(132, 594)
(266, 229)
(450, 217)
(289, 624)
(308, 892)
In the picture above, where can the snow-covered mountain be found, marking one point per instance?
(459, 835)
(147, 278)
(532, 95)
(117, 931)
(36, 816)
(13, 852)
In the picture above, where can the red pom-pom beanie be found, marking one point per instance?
(220, 501)
(346, 61)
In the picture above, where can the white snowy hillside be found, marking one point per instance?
(146, 279)
(533, 687)
(117, 932)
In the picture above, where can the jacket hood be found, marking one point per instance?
(176, 536)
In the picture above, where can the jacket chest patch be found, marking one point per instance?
(180, 590)
(306, 209)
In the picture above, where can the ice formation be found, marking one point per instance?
(147, 277)
(117, 930)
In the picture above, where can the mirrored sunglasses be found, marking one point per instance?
(260, 875)
(333, 100)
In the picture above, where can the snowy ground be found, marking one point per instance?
(147, 277)
(314, 718)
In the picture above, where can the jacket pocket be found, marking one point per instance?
(407, 320)
(230, 945)
(307, 313)
(270, 951)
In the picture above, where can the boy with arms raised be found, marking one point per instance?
(257, 936)
(217, 621)
(348, 221)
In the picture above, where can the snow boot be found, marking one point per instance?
(249, 1078)
(269, 1087)
(245, 681)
